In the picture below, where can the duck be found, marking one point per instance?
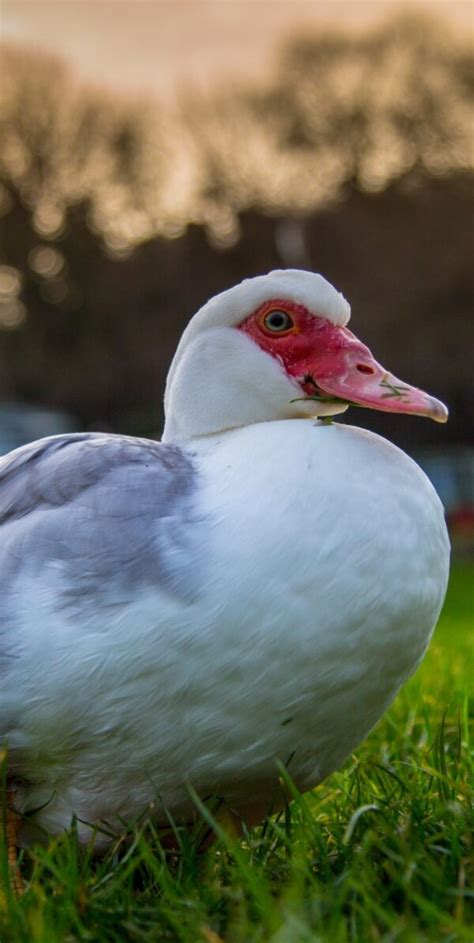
(181, 618)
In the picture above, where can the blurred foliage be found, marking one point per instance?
(120, 216)
(62, 143)
(338, 111)
(341, 111)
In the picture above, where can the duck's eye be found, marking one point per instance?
(278, 321)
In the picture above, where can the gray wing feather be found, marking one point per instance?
(112, 511)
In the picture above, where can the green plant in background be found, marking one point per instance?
(380, 851)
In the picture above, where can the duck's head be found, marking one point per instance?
(277, 347)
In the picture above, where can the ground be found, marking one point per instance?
(379, 852)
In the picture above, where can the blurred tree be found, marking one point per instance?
(341, 112)
(82, 175)
(63, 144)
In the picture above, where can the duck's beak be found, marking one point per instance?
(347, 370)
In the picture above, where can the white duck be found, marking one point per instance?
(255, 588)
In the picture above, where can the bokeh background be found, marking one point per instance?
(154, 152)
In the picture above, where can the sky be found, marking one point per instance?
(159, 45)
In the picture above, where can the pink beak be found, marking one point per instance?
(345, 368)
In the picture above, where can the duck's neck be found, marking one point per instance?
(221, 380)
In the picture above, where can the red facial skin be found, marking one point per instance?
(329, 361)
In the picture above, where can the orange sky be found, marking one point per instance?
(155, 45)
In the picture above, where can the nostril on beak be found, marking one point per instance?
(363, 368)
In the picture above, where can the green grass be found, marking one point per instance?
(379, 852)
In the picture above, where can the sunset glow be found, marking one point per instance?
(160, 45)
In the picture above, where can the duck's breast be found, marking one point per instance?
(328, 567)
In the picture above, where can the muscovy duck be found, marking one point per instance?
(254, 588)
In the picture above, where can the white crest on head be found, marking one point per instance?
(304, 288)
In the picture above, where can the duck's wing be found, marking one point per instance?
(103, 514)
